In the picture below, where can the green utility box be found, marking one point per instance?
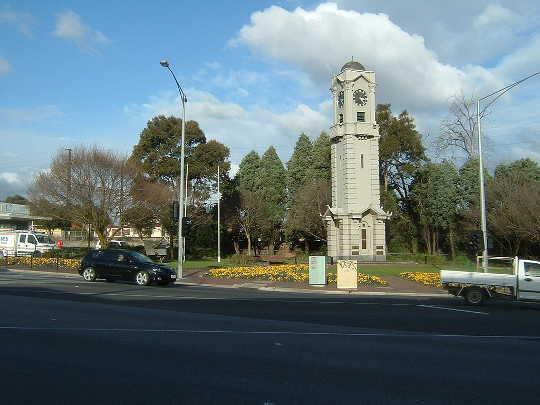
(317, 270)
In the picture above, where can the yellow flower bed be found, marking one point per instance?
(285, 272)
(363, 279)
(429, 279)
(43, 262)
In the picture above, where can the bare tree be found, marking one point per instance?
(458, 131)
(94, 188)
(305, 216)
(514, 211)
(249, 215)
(148, 202)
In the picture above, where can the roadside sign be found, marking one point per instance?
(347, 274)
(317, 270)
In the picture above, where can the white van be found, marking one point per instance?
(25, 243)
(114, 244)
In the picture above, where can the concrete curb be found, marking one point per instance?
(56, 273)
(322, 292)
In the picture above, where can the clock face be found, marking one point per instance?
(360, 97)
(341, 99)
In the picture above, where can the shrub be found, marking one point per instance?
(242, 260)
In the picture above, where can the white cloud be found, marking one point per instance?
(449, 27)
(213, 65)
(5, 67)
(213, 75)
(233, 169)
(239, 128)
(489, 46)
(10, 177)
(30, 114)
(494, 14)
(522, 61)
(22, 21)
(319, 41)
(70, 27)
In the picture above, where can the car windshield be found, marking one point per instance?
(43, 239)
(141, 258)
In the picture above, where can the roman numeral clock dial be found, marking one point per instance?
(360, 97)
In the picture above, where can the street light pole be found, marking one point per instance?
(483, 220)
(183, 98)
(185, 205)
(218, 220)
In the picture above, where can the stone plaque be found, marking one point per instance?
(317, 270)
(347, 274)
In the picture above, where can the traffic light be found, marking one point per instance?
(186, 226)
(174, 211)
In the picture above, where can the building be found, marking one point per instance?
(355, 221)
(17, 216)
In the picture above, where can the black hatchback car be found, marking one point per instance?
(121, 264)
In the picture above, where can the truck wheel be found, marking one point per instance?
(474, 296)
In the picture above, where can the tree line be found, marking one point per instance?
(434, 204)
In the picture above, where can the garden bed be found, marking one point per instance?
(288, 272)
(429, 279)
(64, 265)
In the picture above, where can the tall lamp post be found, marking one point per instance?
(218, 220)
(483, 220)
(183, 97)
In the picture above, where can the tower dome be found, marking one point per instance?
(353, 65)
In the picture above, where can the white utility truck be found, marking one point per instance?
(25, 243)
(522, 285)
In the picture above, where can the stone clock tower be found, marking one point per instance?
(355, 221)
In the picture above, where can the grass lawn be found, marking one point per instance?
(379, 270)
(395, 270)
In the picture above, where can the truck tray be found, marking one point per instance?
(486, 279)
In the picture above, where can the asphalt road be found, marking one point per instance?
(68, 341)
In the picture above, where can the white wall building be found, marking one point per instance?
(356, 221)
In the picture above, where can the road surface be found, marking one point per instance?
(68, 341)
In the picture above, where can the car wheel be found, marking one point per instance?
(142, 278)
(89, 274)
(474, 296)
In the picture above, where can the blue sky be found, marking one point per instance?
(256, 73)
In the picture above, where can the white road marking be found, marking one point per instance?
(257, 332)
(453, 309)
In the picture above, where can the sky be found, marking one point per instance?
(256, 73)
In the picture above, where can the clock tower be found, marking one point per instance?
(355, 221)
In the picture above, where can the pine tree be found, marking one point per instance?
(272, 177)
(321, 166)
(248, 172)
(272, 180)
(299, 166)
